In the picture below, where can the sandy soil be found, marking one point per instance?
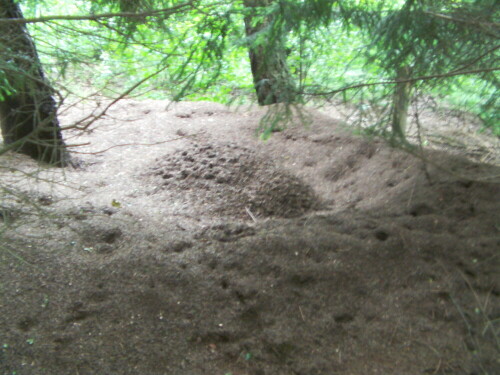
(182, 244)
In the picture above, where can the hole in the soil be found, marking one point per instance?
(250, 315)
(343, 318)
(78, 316)
(381, 235)
(180, 246)
(98, 296)
(301, 279)
(470, 273)
(111, 235)
(212, 264)
(26, 324)
(282, 350)
(224, 284)
(224, 337)
(421, 209)
(241, 297)
(108, 211)
(152, 283)
(467, 271)
(212, 337)
(444, 295)
(62, 341)
(465, 184)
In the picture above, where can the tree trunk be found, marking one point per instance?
(272, 79)
(27, 108)
(401, 102)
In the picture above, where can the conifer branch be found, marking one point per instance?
(96, 17)
(393, 82)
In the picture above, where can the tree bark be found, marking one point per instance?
(272, 79)
(28, 111)
(401, 102)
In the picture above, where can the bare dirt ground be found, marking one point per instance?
(182, 244)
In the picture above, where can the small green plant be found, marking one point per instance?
(45, 301)
(116, 204)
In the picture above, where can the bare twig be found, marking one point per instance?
(132, 144)
(251, 214)
(92, 118)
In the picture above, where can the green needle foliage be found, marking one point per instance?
(442, 39)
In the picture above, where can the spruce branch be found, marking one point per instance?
(96, 17)
(393, 82)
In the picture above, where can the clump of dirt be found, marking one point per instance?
(232, 180)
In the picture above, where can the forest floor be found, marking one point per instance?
(180, 243)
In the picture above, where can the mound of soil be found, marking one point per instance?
(233, 181)
(191, 247)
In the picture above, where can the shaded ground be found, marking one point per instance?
(314, 253)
